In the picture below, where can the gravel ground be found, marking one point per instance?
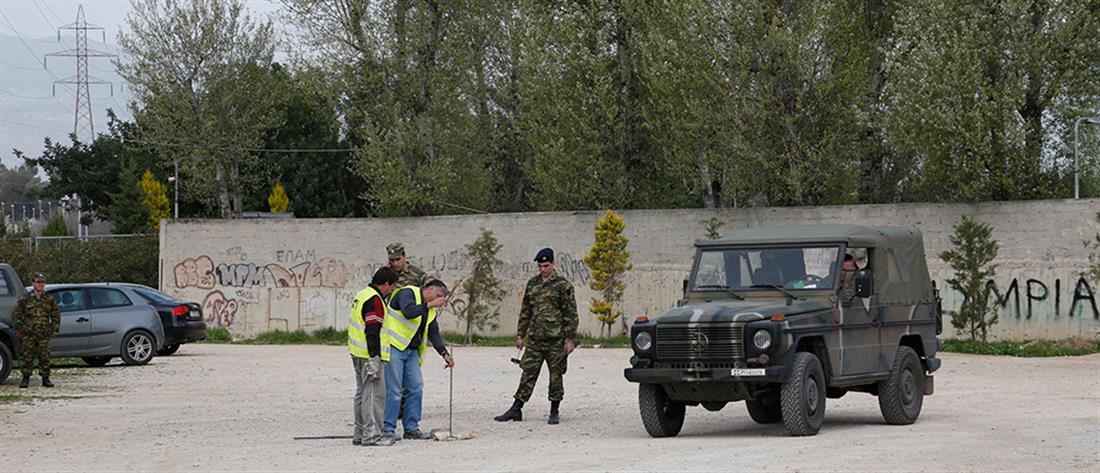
(233, 407)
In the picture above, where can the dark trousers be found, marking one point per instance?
(538, 351)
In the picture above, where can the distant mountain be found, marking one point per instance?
(30, 110)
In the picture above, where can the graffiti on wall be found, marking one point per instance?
(237, 286)
(1026, 300)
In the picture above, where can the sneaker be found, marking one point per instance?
(417, 435)
(357, 441)
(387, 440)
(374, 442)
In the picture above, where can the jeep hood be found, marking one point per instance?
(738, 311)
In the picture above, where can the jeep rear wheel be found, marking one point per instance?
(661, 416)
(803, 396)
(5, 362)
(901, 396)
(765, 409)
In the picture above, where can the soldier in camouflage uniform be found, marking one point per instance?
(548, 329)
(36, 317)
(407, 274)
(848, 271)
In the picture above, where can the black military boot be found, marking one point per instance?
(553, 420)
(26, 382)
(513, 413)
(46, 382)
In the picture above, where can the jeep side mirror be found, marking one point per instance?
(864, 286)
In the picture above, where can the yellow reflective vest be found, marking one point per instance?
(397, 330)
(357, 336)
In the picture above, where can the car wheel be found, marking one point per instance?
(96, 360)
(168, 350)
(661, 416)
(901, 396)
(766, 409)
(5, 362)
(803, 397)
(137, 348)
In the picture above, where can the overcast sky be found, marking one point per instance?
(30, 108)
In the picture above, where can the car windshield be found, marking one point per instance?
(153, 296)
(764, 268)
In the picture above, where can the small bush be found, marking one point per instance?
(217, 335)
(1026, 349)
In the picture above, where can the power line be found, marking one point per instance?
(33, 125)
(13, 94)
(251, 150)
(24, 68)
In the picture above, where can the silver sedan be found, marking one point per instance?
(101, 321)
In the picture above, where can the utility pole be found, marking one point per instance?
(82, 119)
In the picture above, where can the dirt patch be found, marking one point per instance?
(233, 407)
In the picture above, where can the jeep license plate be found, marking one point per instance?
(747, 371)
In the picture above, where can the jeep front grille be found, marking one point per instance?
(717, 342)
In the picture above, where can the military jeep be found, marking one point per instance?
(777, 317)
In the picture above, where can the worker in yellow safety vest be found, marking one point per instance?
(409, 325)
(364, 342)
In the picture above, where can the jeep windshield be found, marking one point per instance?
(745, 269)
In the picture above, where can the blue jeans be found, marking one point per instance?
(403, 374)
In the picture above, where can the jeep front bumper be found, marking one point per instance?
(770, 374)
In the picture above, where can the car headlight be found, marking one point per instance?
(762, 339)
(643, 341)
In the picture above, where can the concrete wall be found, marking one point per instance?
(258, 275)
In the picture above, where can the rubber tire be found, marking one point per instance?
(795, 397)
(907, 375)
(5, 362)
(766, 410)
(168, 350)
(126, 342)
(661, 416)
(96, 360)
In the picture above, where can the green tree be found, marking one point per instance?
(278, 201)
(483, 288)
(19, 184)
(973, 251)
(155, 199)
(97, 171)
(24, 230)
(3, 226)
(608, 260)
(199, 72)
(56, 226)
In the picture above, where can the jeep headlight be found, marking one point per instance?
(762, 339)
(643, 341)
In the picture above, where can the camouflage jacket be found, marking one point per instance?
(411, 276)
(549, 309)
(36, 314)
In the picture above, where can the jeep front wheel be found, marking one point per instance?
(901, 396)
(803, 396)
(661, 416)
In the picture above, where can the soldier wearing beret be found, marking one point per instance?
(407, 274)
(548, 329)
(36, 318)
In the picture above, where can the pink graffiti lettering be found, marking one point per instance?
(218, 310)
(197, 272)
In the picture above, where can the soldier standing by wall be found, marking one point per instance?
(407, 274)
(548, 329)
(36, 317)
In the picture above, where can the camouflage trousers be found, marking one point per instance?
(552, 352)
(36, 348)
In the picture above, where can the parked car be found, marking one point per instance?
(10, 344)
(769, 319)
(182, 321)
(100, 321)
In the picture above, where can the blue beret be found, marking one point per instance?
(544, 255)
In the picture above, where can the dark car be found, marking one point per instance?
(784, 318)
(182, 321)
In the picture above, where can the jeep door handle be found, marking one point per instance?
(82, 319)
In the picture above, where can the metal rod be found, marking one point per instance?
(451, 406)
